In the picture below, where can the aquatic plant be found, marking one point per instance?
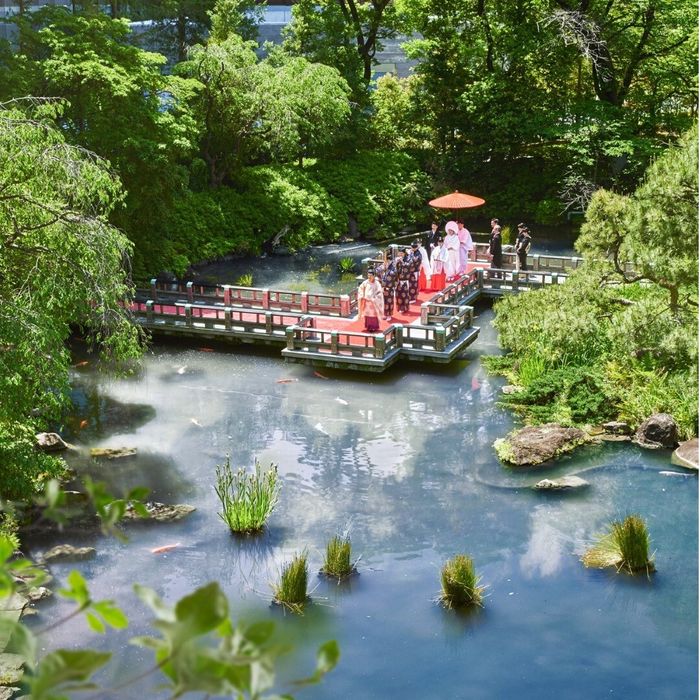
(507, 236)
(346, 265)
(337, 561)
(291, 589)
(247, 498)
(460, 584)
(625, 546)
(245, 280)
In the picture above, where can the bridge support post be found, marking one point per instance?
(536, 262)
(480, 278)
(149, 311)
(398, 334)
(227, 295)
(344, 305)
(379, 345)
(266, 298)
(334, 342)
(289, 333)
(305, 302)
(268, 322)
(424, 308)
(227, 318)
(154, 289)
(190, 292)
(516, 280)
(440, 338)
(555, 279)
(188, 314)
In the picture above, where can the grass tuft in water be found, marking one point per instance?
(346, 265)
(291, 589)
(337, 561)
(247, 499)
(625, 546)
(245, 280)
(460, 584)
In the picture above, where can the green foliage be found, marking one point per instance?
(337, 561)
(346, 265)
(247, 499)
(460, 583)
(245, 280)
(625, 547)
(291, 589)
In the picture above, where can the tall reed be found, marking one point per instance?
(337, 562)
(460, 583)
(291, 589)
(247, 499)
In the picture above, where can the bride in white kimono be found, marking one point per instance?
(450, 248)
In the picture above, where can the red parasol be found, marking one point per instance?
(456, 200)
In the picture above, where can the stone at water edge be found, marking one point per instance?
(50, 442)
(617, 427)
(160, 512)
(536, 444)
(687, 455)
(564, 483)
(11, 669)
(511, 389)
(67, 552)
(112, 452)
(659, 430)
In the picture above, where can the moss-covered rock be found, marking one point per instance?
(533, 445)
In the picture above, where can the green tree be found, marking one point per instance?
(61, 265)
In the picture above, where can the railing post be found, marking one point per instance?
(154, 289)
(334, 342)
(555, 279)
(227, 318)
(304, 302)
(536, 262)
(344, 305)
(398, 334)
(149, 311)
(268, 322)
(480, 278)
(379, 345)
(190, 292)
(440, 338)
(289, 333)
(188, 312)
(266, 298)
(516, 280)
(227, 295)
(424, 308)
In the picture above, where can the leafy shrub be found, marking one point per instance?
(460, 584)
(346, 265)
(291, 589)
(625, 546)
(245, 280)
(247, 499)
(337, 561)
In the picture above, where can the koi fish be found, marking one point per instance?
(194, 421)
(205, 349)
(165, 548)
(319, 375)
(84, 423)
(320, 429)
(673, 474)
(287, 381)
(342, 402)
(81, 364)
(181, 370)
(475, 384)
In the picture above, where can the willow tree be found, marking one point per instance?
(62, 266)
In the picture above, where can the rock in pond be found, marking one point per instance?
(686, 455)
(11, 669)
(50, 442)
(563, 483)
(112, 452)
(160, 512)
(659, 430)
(67, 552)
(617, 427)
(511, 389)
(536, 444)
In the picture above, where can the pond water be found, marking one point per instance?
(402, 462)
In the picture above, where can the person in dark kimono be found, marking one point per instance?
(522, 247)
(495, 248)
(386, 274)
(415, 258)
(403, 274)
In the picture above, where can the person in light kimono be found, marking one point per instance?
(466, 245)
(426, 271)
(370, 296)
(437, 265)
(451, 247)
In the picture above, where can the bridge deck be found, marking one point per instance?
(324, 329)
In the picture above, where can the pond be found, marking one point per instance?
(403, 462)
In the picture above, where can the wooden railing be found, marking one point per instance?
(306, 338)
(535, 261)
(321, 303)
